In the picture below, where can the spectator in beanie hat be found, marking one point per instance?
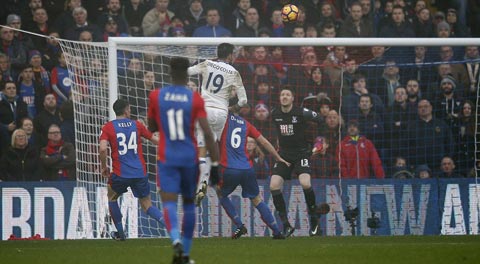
(358, 157)
(448, 102)
(423, 172)
(443, 30)
(42, 76)
(14, 21)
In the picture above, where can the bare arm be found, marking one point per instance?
(155, 138)
(103, 151)
(264, 142)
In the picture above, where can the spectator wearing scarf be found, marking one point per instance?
(58, 157)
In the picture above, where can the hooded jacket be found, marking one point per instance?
(359, 159)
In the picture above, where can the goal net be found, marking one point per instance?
(328, 76)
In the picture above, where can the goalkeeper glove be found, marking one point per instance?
(214, 178)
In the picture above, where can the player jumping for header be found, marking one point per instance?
(219, 81)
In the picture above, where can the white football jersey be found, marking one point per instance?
(218, 81)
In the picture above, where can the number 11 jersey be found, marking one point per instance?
(175, 110)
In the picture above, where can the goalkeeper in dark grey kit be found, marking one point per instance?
(290, 123)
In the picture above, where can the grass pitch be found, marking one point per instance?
(298, 250)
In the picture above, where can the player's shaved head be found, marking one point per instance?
(178, 70)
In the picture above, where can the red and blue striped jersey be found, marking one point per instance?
(175, 110)
(233, 143)
(124, 136)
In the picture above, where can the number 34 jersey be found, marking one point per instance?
(218, 81)
(124, 136)
(175, 109)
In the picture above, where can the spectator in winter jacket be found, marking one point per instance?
(398, 26)
(20, 162)
(448, 103)
(447, 167)
(430, 139)
(49, 115)
(157, 21)
(81, 24)
(397, 120)
(213, 27)
(15, 21)
(422, 171)
(193, 17)
(111, 29)
(13, 48)
(350, 102)
(5, 69)
(12, 108)
(134, 11)
(358, 158)
(250, 28)
(457, 28)
(400, 169)
(354, 25)
(58, 157)
(113, 12)
(65, 19)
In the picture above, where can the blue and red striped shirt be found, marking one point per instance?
(175, 110)
(124, 136)
(233, 143)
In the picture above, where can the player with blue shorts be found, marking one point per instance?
(173, 112)
(128, 166)
(237, 169)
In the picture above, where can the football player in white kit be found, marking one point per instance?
(219, 79)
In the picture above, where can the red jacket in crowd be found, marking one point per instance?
(359, 159)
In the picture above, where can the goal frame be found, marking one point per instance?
(113, 42)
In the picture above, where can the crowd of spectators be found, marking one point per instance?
(416, 117)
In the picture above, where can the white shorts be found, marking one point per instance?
(216, 119)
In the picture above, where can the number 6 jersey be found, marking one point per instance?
(233, 143)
